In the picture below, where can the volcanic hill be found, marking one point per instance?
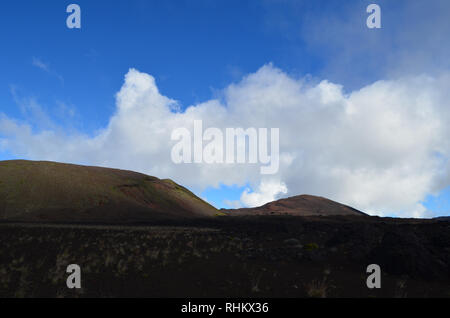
(35, 191)
(301, 205)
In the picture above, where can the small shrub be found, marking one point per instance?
(311, 246)
(317, 289)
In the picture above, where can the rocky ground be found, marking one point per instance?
(229, 257)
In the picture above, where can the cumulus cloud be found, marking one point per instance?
(267, 192)
(382, 148)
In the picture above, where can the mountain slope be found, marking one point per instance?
(302, 205)
(56, 192)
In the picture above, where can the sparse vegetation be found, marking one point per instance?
(317, 288)
(223, 257)
(311, 246)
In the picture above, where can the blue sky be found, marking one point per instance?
(191, 47)
(196, 48)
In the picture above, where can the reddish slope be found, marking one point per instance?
(302, 205)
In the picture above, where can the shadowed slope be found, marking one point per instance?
(302, 205)
(56, 192)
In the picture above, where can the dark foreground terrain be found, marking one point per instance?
(229, 257)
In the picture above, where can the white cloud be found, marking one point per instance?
(39, 64)
(409, 42)
(381, 149)
(46, 68)
(267, 192)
